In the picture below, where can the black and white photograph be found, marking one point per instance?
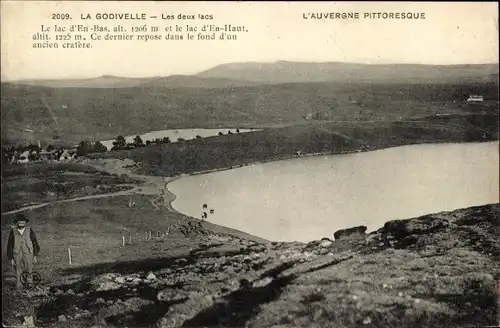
(274, 164)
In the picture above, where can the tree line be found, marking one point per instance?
(121, 144)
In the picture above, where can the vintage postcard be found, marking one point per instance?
(250, 164)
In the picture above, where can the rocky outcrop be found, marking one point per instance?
(350, 232)
(424, 272)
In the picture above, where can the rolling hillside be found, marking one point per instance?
(290, 72)
(238, 95)
(37, 113)
(109, 81)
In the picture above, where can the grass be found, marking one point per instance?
(235, 150)
(101, 114)
(38, 183)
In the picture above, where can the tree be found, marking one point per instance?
(119, 143)
(180, 139)
(221, 134)
(148, 142)
(166, 140)
(138, 142)
(198, 136)
(5, 156)
(99, 147)
(50, 148)
(34, 148)
(83, 148)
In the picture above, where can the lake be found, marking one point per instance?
(311, 197)
(175, 134)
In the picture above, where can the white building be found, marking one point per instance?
(475, 99)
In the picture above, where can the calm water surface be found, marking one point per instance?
(310, 198)
(175, 134)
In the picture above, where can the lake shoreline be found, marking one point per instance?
(288, 158)
(306, 155)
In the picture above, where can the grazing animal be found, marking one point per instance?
(212, 211)
(131, 203)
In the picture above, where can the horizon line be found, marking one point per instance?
(5, 79)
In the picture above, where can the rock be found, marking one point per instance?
(120, 280)
(28, 322)
(61, 318)
(326, 243)
(100, 301)
(323, 251)
(367, 321)
(78, 316)
(350, 232)
(109, 285)
(255, 256)
(70, 291)
(262, 282)
(418, 226)
(151, 276)
(86, 314)
(406, 241)
(181, 261)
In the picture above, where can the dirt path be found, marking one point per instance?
(113, 194)
(153, 186)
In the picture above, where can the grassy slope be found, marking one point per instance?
(286, 72)
(274, 144)
(426, 279)
(104, 113)
(39, 183)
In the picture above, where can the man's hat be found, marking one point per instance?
(20, 217)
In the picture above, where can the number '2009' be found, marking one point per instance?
(61, 16)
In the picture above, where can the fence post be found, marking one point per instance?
(123, 240)
(130, 239)
(69, 255)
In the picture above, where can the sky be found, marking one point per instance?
(451, 33)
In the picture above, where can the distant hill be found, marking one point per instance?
(109, 81)
(104, 81)
(281, 72)
(190, 81)
(293, 72)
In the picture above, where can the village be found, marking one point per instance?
(36, 154)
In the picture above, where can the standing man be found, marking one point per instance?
(22, 248)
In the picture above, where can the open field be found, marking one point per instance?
(24, 185)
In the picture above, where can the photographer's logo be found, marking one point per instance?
(30, 280)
